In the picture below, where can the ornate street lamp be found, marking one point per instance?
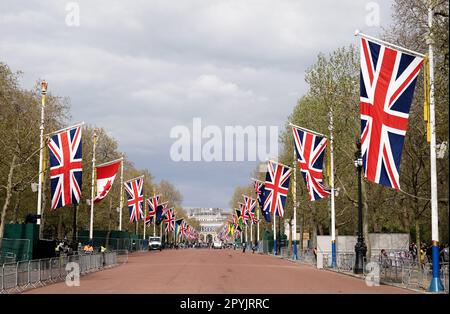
(360, 247)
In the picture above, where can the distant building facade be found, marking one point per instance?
(210, 220)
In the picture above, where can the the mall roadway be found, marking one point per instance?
(214, 271)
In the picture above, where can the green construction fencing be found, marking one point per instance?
(18, 242)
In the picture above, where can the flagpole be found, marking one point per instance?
(274, 235)
(121, 195)
(154, 225)
(257, 226)
(333, 210)
(294, 199)
(145, 225)
(436, 284)
(91, 223)
(41, 151)
(251, 233)
(245, 238)
(174, 225)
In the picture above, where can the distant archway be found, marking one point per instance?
(209, 238)
(202, 238)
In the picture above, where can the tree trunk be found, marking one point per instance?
(302, 228)
(8, 195)
(16, 208)
(418, 234)
(60, 220)
(314, 230)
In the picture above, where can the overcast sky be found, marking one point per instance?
(140, 68)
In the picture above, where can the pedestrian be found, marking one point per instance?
(255, 246)
(422, 254)
(445, 256)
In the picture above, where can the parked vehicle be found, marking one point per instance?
(217, 245)
(154, 243)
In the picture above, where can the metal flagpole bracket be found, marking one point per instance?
(65, 129)
(110, 162)
(279, 163)
(307, 130)
(134, 178)
(380, 41)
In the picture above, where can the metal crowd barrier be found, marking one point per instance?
(402, 269)
(20, 276)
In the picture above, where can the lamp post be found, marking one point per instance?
(360, 247)
(44, 86)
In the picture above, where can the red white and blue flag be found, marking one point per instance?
(310, 149)
(134, 189)
(152, 203)
(183, 229)
(276, 187)
(161, 210)
(170, 220)
(250, 205)
(387, 82)
(244, 214)
(259, 190)
(65, 167)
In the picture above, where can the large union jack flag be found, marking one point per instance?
(276, 187)
(65, 167)
(134, 189)
(387, 82)
(310, 149)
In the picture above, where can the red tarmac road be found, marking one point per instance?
(214, 271)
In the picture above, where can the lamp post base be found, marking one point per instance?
(436, 283)
(360, 254)
(333, 254)
(294, 250)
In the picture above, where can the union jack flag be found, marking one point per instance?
(183, 229)
(244, 214)
(135, 194)
(310, 149)
(153, 203)
(387, 82)
(65, 167)
(170, 220)
(250, 204)
(276, 187)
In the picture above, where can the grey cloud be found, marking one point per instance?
(139, 68)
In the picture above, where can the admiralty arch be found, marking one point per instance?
(210, 220)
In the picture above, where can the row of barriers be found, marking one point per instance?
(19, 276)
(398, 268)
(402, 270)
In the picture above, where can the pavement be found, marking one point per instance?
(200, 271)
